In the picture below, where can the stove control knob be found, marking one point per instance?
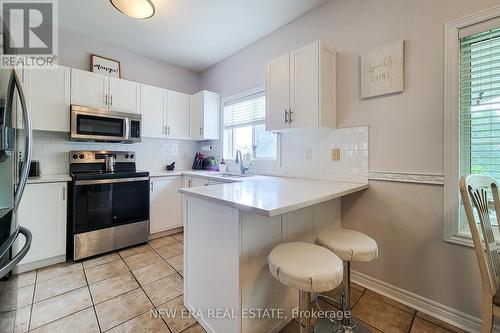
(126, 155)
(132, 156)
(75, 156)
(82, 156)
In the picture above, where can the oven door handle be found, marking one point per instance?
(110, 181)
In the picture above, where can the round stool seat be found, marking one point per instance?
(349, 245)
(306, 267)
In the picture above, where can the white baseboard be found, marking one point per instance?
(166, 233)
(39, 264)
(437, 310)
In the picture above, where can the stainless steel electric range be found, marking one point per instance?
(108, 203)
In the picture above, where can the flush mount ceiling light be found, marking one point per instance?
(142, 9)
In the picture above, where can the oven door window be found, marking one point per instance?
(101, 126)
(107, 205)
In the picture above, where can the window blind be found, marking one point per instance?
(245, 111)
(480, 103)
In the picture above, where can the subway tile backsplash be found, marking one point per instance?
(306, 154)
(52, 148)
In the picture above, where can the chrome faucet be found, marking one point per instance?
(239, 159)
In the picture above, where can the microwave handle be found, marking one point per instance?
(127, 129)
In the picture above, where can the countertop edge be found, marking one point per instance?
(62, 178)
(278, 211)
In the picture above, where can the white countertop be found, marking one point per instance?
(165, 173)
(271, 196)
(195, 173)
(49, 179)
(263, 195)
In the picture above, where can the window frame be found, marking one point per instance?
(243, 94)
(477, 22)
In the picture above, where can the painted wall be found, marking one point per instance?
(406, 133)
(75, 51)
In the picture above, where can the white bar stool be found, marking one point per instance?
(308, 268)
(349, 245)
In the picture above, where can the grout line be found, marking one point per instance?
(66, 316)
(126, 321)
(184, 330)
(32, 301)
(169, 275)
(92, 300)
(144, 291)
(58, 276)
(412, 322)
(104, 263)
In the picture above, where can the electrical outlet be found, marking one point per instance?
(308, 154)
(335, 154)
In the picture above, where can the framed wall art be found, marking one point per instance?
(382, 70)
(106, 66)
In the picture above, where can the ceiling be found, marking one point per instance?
(194, 34)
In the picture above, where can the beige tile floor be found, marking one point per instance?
(119, 292)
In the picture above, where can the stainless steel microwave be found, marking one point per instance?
(94, 124)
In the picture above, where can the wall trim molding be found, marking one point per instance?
(407, 177)
(437, 310)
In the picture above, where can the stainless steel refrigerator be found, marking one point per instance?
(15, 158)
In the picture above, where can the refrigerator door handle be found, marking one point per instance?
(20, 255)
(15, 82)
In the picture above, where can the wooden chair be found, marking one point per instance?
(474, 191)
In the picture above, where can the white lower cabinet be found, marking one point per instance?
(197, 182)
(43, 210)
(165, 204)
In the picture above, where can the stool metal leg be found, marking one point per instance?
(346, 296)
(348, 323)
(305, 312)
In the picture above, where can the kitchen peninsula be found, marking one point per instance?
(230, 229)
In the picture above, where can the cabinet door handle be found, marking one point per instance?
(189, 183)
(111, 100)
(64, 194)
(168, 130)
(106, 99)
(201, 131)
(151, 187)
(290, 117)
(286, 116)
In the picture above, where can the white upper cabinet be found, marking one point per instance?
(101, 91)
(278, 93)
(177, 115)
(89, 89)
(153, 106)
(204, 115)
(309, 84)
(48, 97)
(124, 95)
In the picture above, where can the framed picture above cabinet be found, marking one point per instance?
(106, 66)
